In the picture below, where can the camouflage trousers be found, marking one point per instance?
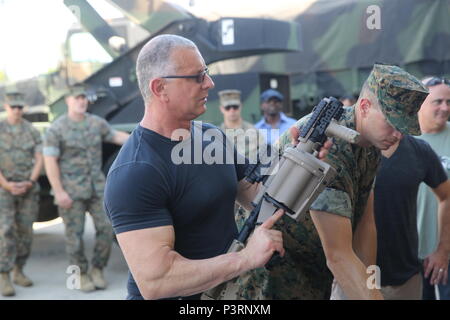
(17, 214)
(74, 221)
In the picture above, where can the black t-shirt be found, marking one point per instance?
(396, 187)
(155, 181)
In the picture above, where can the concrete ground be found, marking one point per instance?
(48, 263)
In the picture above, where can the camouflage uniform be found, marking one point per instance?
(78, 147)
(18, 145)
(302, 273)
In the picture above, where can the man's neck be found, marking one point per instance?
(431, 129)
(14, 121)
(389, 152)
(233, 124)
(165, 124)
(77, 117)
(272, 119)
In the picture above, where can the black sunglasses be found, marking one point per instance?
(434, 81)
(199, 78)
(232, 106)
(17, 107)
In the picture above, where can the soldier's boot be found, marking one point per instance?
(98, 278)
(20, 279)
(6, 286)
(86, 284)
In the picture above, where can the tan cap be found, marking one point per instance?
(15, 98)
(230, 97)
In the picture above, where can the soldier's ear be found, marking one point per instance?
(364, 106)
(156, 87)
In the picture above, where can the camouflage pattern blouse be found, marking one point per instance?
(18, 144)
(78, 147)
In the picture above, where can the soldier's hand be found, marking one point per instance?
(63, 200)
(264, 242)
(15, 188)
(295, 133)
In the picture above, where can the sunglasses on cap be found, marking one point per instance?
(199, 78)
(434, 81)
(232, 106)
(17, 107)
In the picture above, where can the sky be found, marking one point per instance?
(32, 32)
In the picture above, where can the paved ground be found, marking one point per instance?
(48, 264)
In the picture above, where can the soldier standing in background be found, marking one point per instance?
(73, 160)
(245, 136)
(20, 167)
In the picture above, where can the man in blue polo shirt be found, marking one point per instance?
(273, 118)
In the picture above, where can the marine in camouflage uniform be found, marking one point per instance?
(243, 134)
(76, 144)
(20, 166)
(303, 272)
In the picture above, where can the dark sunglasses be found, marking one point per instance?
(199, 78)
(434, 81)
(17, 107)
(232, 106)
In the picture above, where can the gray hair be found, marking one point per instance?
(154, 60)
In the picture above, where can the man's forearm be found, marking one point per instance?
(53, 173)
(3, 181)
(351, 275)
(365, 236)
(120, 137)
(444, 226)
(37, 167)
(184, 277)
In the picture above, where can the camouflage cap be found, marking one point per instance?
(15, 98)
(230, 97)
(400, 95)
(77, 90)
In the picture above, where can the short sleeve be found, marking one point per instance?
(137, 197)
(435, 173)
(333, 201)
(37, 140)
(51, 143)
(106, 130)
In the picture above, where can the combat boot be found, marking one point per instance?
(98, 278)
(20, 279)
(6, 286)
(86, 284)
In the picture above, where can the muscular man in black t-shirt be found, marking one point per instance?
(170, 193)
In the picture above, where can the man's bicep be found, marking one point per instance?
(335, 232)
(442, 191)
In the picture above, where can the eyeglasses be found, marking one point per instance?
(17, 107)
(232, 106)
(199, 78)
(434, 81)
